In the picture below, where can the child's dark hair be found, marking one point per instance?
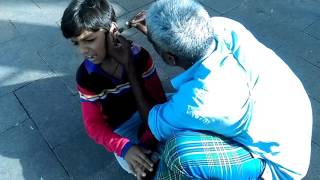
(88, 15)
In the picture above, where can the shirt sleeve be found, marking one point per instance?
(96, 125)
(158, 122)
(172, 116)
(221, 107)
(152, 83)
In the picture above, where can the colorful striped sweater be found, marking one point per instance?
(107, 102)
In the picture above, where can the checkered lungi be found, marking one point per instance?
(195, 155)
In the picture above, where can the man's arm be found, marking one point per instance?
(122, 53)
(154, 91)
(136, 81)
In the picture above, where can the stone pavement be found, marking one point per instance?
(41, 131)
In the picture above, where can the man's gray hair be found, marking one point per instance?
(181, 27)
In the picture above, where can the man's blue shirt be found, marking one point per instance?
(244, 91)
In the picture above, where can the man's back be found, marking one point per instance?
(280, 128)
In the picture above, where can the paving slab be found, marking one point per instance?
(292, 13)
(313, 173)
(44, 38)
(221, 7)
(27, 16)
(273, 35)
(85, 160)
(10, 10)
(12, 113)
(308, 73)
(19, 65)
(314, 29)
(212, 12)
(130, 5)
(275, 19)
(24, 155)
(112, 171)
(266, 35)
(51, 10)
(118, 9)
(53, 108)
(249, 13)
(64, 59)
(304, 46)
(8, 31)
(316, 122)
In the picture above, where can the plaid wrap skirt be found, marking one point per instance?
(197, 155)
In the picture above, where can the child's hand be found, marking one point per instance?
(138, 161)
(139, 22)
(120, 49)
(154, 157)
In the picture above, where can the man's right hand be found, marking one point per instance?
(139, 22)
(138, 161)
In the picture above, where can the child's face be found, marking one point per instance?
(92, 45)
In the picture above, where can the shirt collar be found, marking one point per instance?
(190, 72)
(91, 67)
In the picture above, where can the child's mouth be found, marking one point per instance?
(91, 58)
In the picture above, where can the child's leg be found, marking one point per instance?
(197, 155)
(130, 130)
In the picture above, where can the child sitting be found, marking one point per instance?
(109, 108)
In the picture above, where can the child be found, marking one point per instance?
(108, 106)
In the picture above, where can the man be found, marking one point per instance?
(239, 111)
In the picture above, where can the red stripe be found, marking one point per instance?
(85, 91)
(149, 64)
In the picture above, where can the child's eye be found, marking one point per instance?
(90, 40)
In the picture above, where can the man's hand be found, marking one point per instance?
(138, 161)
(139, 22)
(120, 49)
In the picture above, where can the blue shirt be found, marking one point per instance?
(244, 91)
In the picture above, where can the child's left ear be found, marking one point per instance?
(113, 28)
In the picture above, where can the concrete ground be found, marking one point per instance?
(41, 131)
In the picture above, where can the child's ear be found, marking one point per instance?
(114, 30)
(113, 27)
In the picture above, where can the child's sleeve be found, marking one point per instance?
(96, 125)
(152, 81)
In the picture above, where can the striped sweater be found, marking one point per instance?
(107, 102)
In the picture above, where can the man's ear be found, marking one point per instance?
(170, 59)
